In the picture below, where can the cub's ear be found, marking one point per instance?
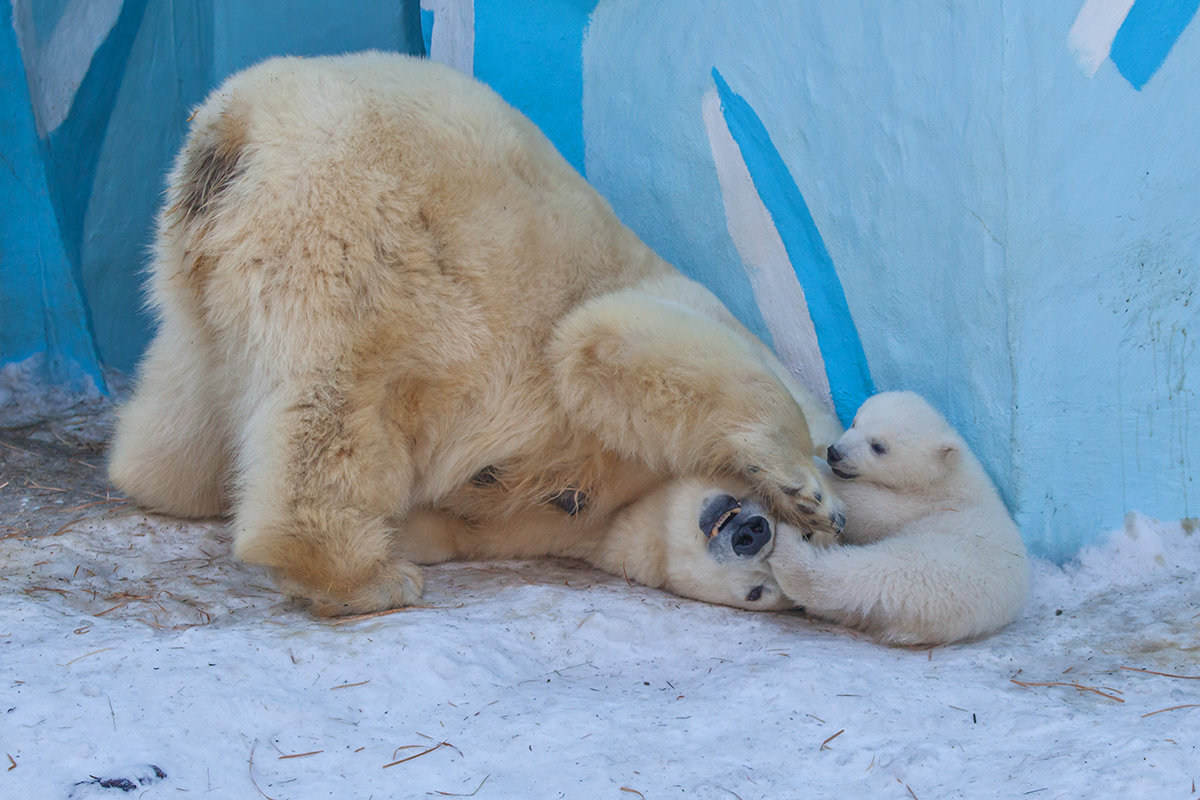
(950, 453)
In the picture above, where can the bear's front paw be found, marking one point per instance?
(394, 585)
(397, 584)
(802, 499)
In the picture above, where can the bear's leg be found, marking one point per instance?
(170, 452)
(673, 383)
(323, 468)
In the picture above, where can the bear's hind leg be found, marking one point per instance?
(322, 474)
(170, 450)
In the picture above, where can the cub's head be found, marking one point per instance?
(899, 441)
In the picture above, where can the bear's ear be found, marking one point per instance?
(950, 453)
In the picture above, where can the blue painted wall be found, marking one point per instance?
(1103, 262)
(88, 163)
(42, 311)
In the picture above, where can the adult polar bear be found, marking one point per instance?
(395, 325)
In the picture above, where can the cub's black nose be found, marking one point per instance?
(832, 455)
(750, 535)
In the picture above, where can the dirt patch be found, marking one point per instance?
(52, 475)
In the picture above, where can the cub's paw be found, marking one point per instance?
(793, 563)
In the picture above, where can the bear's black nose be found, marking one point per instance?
(750, 535)
(832, 455)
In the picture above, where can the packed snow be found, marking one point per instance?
(136, 656)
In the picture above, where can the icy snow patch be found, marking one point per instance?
(136, 640)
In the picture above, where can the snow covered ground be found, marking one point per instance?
(131, 646)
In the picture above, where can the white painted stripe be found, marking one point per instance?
(1090, 38)
(452, 40)
(55, 70)
(778, 292)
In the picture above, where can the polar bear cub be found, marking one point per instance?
(932, 554)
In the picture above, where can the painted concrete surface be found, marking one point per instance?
(1103, 264)
(42, 313)
(902, 193)
(109, 85)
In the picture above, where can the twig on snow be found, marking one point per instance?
(63, 592)
(437, 746)
(1163, 674)
(1076, 686)
(82, 506)
(300, 755)
(114, 608)
(85, 655)
(250, 768)
(472, 794)
(825, 744)
(36, 485)
(1172, 708)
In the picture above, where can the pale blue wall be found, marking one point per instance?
(1103, 260)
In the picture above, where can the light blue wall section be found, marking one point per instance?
(888, 117)
(1103, 186)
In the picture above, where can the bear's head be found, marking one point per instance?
(899, 441)
(716, 547)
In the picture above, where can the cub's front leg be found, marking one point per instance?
(663, 374)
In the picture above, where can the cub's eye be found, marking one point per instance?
(879, 448)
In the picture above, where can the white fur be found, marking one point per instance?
(933, 555)
(395, 325)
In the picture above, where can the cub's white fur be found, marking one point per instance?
(933, 557)
(396, 326)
